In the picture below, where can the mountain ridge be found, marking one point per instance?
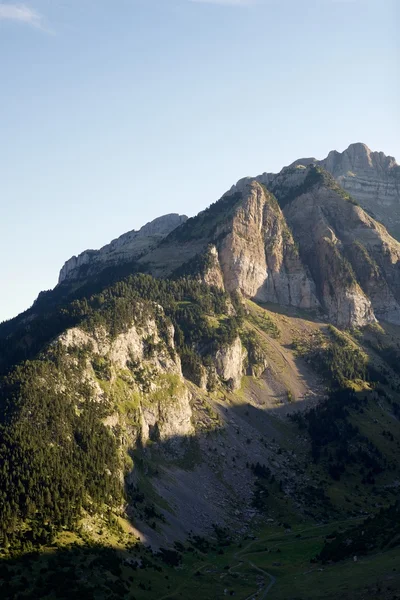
(126, 247)
(371, 177)
(230, 380)
(273, 265)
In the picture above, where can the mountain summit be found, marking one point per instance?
(372, 178)
(298, 238)
(185, 387)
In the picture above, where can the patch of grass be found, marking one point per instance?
(262, 319)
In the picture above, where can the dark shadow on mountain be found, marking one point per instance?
(92, 571)
(89, 572)
(316, 316)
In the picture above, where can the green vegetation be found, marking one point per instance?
(57, 457)
(316, 176)
(54, 459)
(186, 303)
(197, 266)
(255, 355)
(205, 225)
(336, 268)
(335, 356)
(62, 468)
(379, 532)
(343, 431)
(275, 558)
(262, 320)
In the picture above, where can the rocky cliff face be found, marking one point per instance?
(253, 251)
(320, 220)
(353, 260)
(127, 247)
(144, 391)
(213, 274)
(372, 178)
(229, 363)
(297, 239)
(258, 255)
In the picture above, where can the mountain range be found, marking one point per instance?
(210, 406)
(288, 238)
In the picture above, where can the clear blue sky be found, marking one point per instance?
(113, 112)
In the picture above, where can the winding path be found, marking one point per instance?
(272, 579)
(258, 594)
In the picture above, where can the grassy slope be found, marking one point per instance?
(208, 574)
(275, 556)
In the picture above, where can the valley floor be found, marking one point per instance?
(274, 563)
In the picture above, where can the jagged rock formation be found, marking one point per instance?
(254, 248)
(149, 388)
(213, 274)
(125, 248)
(353, 260)
(296, 239)
(372, 178)
(258, 255)
(305, 243)
(130, 391)
(229, 363)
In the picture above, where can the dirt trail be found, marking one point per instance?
(253, 566)
(241, 558)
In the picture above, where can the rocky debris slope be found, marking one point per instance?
(125, 248)
(152, 409)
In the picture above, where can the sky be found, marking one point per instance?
(114, 112)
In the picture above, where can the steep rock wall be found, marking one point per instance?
(127, 247)
(258, 256)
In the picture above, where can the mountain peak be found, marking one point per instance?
(162, 225)
(358, 148)
(372, 178)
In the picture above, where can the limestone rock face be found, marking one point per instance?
(297, 239)
(259, 257)
(372, 178)
(354, 262)
(229, 363)
(127, 247)
(213, 274)
(163, 410)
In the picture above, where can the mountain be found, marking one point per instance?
(125, 248)
(303, 242)
(372, 178)
(201, 407)
(295, 239)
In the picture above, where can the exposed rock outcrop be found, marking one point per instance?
(296, 239)
(229, 363)
(372, 178)
(259, 257)
(353, 260)
(213, 274)
(127, 247)
(150, 389)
